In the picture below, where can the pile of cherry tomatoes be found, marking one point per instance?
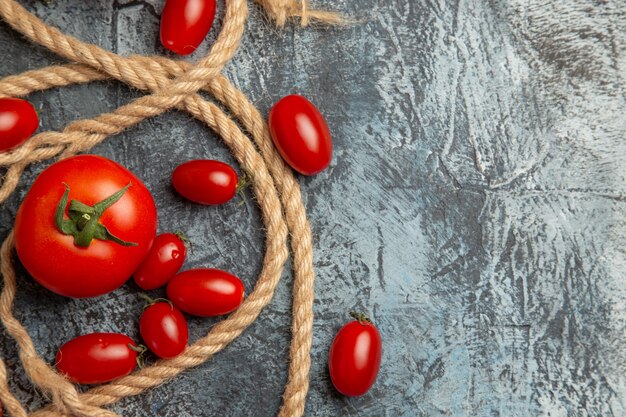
(87, 224)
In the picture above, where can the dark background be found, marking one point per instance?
(474, 207)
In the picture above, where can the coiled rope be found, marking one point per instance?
(170, 85)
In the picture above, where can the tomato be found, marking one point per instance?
(164, 330)
(205, 181)
(301, 135)
(18, 121)
(163, 261)
(185, 24)
(97, 358)
(354, 358)
(206, 292)
(96, 243)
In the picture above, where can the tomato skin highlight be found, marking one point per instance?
(18, 122)
(206, 292)
(164, 259)
(97, 358)
(53, 259)
(354, 358)
(205, 181)
(185, 24)
(301, 134)
(163, 329)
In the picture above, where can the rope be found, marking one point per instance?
(170, 85)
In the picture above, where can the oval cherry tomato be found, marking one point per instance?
(206, 292)
(164, 330)
(18, 121)
(301, 135)
(205, 181)
(164, 259)
(354, 358)
(97, 358)
(185, 24)
(92, 245)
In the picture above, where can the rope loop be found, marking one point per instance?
(168, 85)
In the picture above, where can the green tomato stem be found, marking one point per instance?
(84, 221)
(361, 318)
(184, 239)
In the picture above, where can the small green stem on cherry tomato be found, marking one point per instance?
(152, 301)
(244, 181)
(185, 239)
(141, 357)
(139, 348)
(360, 317)
(84, 221)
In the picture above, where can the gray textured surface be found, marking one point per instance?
(475, 206)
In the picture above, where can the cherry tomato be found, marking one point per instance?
(354, 358)
(163, 261)
(185, 24)
(301, 135)
(92, 245)
(205, 181)
(18, 121)
(97, 358)
(206, 292)
(164, 330)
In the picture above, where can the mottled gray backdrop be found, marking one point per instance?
(475, 205)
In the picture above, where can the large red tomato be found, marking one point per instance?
(85, 226)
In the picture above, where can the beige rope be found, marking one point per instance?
(172, 85)
(282, 10)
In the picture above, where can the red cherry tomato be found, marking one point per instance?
(205, 181)
(97, 358)
(185, 24)
(301, 135)
(18, 121)
(163, 261)
(206, 292)
(164, 330)
(71, 255)
(354, 358)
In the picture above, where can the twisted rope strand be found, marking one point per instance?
(172, 84)
(8, 400)
(253, 122)
(282, 10)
